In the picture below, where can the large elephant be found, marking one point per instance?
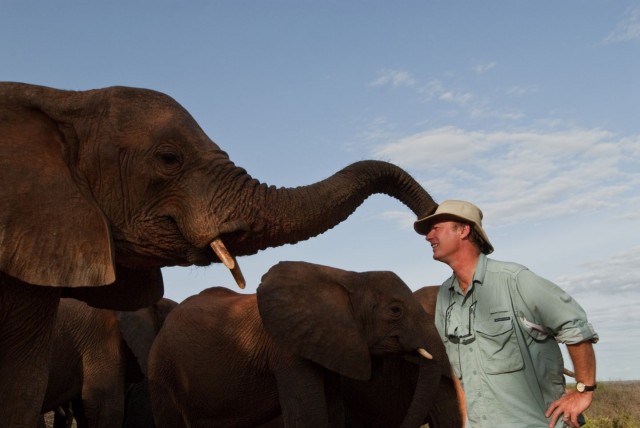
(102, 188)
(242, 360)
(98, 356)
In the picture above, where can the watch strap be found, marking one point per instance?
(586, 388)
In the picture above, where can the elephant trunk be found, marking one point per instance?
(448, 410)
(273, 217)
(264, 216)
(423, 396)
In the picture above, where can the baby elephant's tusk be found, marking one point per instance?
(425, 354)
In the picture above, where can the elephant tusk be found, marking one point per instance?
(237, 275)
(229, 261)
(223, 254)
(425, 354)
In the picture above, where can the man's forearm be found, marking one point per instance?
(584, 362)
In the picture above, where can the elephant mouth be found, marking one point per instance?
(197, 251)
(394, 343)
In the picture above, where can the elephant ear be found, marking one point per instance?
(307, 311)
(51, 231)
(140, 328)
(162, 309)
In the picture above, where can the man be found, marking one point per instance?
(501, 325)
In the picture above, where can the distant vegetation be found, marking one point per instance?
(615, 405)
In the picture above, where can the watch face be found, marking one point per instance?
(580, 387)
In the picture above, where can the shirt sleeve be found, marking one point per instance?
(554, 309)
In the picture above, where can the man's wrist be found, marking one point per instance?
(581, 387)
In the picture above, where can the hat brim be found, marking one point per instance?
(423, 226)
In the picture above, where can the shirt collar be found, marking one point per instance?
(481, 269)
(478, 275)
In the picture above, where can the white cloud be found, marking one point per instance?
(395, 78)
(484, 67)
(403, 219)
(524, 175)
(416, 151)
(436, 89)
(433, 89)
(614, 274)
(628, 29)
(519, 91)
(461, 98)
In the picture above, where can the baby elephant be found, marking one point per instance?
(278, 357)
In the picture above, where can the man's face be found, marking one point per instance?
(445, 238)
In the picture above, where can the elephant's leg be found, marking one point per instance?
(137, 406)
(27, 316)
(103, 391)
(63, 416)
(102, 410)
(165, 410)
(301, 391)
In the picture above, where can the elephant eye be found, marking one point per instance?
(170, 160)
(395, 310)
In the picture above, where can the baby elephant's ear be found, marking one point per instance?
(51, 231)
(307, 311)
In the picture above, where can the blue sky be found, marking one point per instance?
(528, 109)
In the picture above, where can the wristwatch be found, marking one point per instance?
(581, 387)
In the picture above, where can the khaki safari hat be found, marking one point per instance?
(453, 210)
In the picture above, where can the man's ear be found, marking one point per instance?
(465, 230)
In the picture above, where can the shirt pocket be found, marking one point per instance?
(498, 343)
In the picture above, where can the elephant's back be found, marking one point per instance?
(207, 355)
(212, 307)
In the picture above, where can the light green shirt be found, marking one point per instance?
(502, 340)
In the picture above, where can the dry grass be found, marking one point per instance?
(615, 405)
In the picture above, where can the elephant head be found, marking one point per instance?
(339, 318)
(405, 392)
(105, 184)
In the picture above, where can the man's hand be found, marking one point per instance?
(570, 405)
